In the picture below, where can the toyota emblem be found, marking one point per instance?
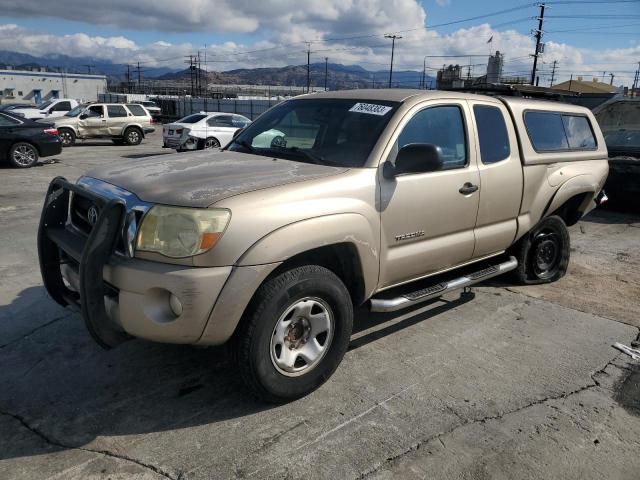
(92, 215)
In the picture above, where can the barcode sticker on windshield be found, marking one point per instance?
(370, 108)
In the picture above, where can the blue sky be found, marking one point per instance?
(605, 38)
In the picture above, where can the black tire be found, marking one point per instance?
(132, 136)
(23, 155)
(253, 341)
(209, 143)
(67, 136)
(543, 254)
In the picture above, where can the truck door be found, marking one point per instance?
(427, 219)
(92, 122)
(501, 177)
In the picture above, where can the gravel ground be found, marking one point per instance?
(509, 382)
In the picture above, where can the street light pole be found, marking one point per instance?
(326, 71)
(393, 46)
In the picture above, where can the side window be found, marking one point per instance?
(579, 133)
(240, 122)
(96, 111)
(551, 131)
(222, 121)
(492, 134)
(441, 126)
(546, 131)
(116, 111)
(61, 107)
(137, 110)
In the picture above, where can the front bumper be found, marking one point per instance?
(119, 296)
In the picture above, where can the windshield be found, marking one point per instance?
(192, 118)
(75, 112)
(324, 131)
(44, 105)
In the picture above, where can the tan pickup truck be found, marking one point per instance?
(376, 198)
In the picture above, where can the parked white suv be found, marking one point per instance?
(121, 122)
(204, 130)
(49, 109)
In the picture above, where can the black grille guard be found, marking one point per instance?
(91, 254)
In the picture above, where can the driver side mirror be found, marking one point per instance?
(415, 158)
(237, 132)
(84, 116)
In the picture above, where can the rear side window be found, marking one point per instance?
(492, 134)
(578, 132)
(137, 110)
(221, 121)
(549, 131)
(116, 111)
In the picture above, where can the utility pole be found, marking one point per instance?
(89, 68)
(553, 72)
(139, 81)
(393, 46)
(128, 78)
(538, 39)
(191, 72)
(308, 66)
(423, 82)
(326, 72)
(611, 81)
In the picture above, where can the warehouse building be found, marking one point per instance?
(38, 85)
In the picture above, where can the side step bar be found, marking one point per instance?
(434, 291)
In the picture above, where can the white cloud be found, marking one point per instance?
(443, 3)
(287, 24)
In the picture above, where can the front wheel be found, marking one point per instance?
(294, 333)
(543, 254)
(23, 155)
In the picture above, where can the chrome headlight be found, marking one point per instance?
(178, 232)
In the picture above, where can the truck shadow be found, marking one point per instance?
(67, 390)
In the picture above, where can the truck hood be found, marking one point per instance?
(200, 179)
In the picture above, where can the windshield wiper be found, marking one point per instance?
(317, 159)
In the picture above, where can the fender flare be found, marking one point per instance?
(569, 189)
(317, 232)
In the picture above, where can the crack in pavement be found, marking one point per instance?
(31, 332)
(106, 453)
(416, 446)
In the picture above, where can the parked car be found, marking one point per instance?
(152, 107)
(619, 119)
(49, 109)
(201, 131)
(122, 123)
(381, 198)
(12, 107)
(23, 141)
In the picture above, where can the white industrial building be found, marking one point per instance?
(36, 86)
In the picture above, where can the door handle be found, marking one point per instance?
(468, 188)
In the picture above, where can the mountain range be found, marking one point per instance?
(338, 75)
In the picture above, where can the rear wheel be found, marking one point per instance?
(294, 334)
(210, 142)
(23, 155)
(132, 136)
(67, 136)
(543, 254)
